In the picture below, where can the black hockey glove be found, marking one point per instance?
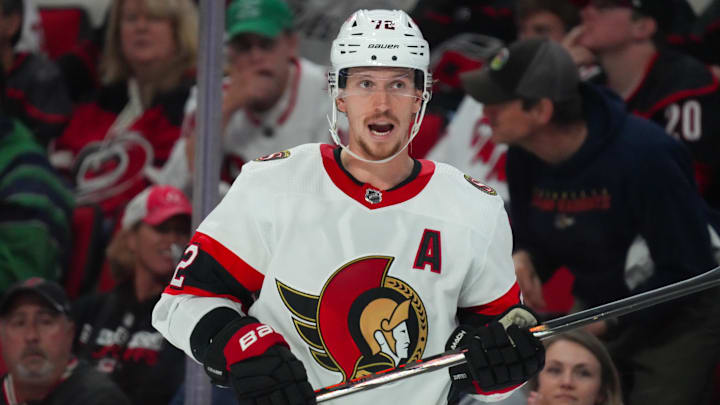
(501, 354)
(256, 361)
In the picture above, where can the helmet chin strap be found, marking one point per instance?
(332, 120)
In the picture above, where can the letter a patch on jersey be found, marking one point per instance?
(429, 252)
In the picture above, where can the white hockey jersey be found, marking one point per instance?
(355, 278)
(299, 117)
(467, 146)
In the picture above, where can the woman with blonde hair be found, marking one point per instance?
(114, 143)
(578, 370)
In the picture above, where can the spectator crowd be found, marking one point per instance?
(597, 121)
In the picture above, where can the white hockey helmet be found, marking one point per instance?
(387, 38)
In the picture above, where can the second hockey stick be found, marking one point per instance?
(543, 331)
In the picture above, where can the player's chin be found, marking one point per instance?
(381, 150)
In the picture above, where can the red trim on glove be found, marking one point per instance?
(251, 341)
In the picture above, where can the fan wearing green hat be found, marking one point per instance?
(270, 97)
(261, 49)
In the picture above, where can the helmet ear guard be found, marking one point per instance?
(379, 38)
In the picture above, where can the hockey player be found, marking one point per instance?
(325, 263)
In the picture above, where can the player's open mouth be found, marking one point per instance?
(381, 129)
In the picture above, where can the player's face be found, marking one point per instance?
(509, 122)
(380, 104)
(145, 39)
(36, 340)
(542, 24)
(606, 26)
(262, 64)
(572, 375)
(152, 245)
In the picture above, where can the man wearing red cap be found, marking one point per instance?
(115, 333)
(281, 286)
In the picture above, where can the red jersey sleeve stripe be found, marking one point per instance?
(244, 273)
(498, 306)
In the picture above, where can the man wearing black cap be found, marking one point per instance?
(36, 336)
(674, 90)
(606, 194)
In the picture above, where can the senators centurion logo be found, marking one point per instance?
(363, 321)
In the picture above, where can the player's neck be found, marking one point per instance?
(625, 67)
(381, 175)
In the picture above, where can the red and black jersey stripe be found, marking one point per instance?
(216, 272)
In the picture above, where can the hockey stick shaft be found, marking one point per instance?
(544, 331)
(630, 304)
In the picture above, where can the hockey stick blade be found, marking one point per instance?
(543, 331)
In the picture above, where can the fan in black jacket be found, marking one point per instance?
(611, 197)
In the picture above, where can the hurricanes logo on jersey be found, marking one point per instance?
(382, 315)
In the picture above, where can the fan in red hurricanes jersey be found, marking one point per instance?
(325, 263)
(116, 142)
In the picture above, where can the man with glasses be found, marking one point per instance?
(272, 98)
(36, 334)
